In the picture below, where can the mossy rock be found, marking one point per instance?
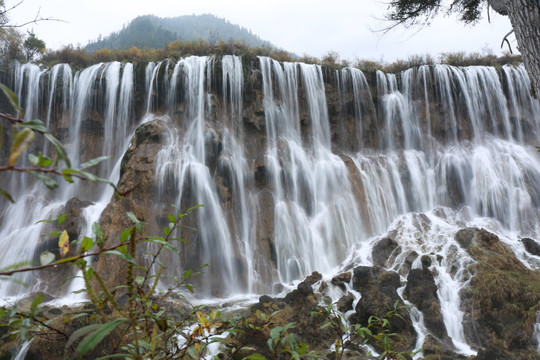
(505, 293)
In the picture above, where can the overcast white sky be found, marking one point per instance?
(302, 26)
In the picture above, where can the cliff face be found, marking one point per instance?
(302, 169)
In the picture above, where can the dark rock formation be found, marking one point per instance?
(531, 246)
(422, 292)
(378, 288)
(382, 251)
(341, 279)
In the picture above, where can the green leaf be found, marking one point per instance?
(61, 219)
(40, 160)
(36, 125)
(95, 337)
(84, 174)
(46, 180)
(275, 332)
(44, 161)
(193, 352)
(7, 196)
(96, 229)
(21, 142)
(94, 162)
(256, 356)
(46, 258)
(87, 244)
(34, 160)
(13, 99)
(60, 150)
(132, 217)
(172, 218)
(121, 255)
(94, 334)
(126, 234)
(113, 356)
(38, 300)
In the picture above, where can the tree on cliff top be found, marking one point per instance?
(523, 14)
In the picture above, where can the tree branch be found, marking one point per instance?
(59, 262)
(508, 42)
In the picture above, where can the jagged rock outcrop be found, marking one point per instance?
(137, 182)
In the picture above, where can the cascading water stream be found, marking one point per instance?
(34, 202)
(314, 202)
(434, 149)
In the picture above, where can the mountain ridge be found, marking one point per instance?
(153, 32)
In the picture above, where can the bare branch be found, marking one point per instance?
(37, 19)
(508, 42)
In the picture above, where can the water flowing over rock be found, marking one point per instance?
(384, 177)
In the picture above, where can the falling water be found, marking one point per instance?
(33, 202)
(433, 149)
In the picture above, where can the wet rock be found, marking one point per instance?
(260, 171)
(73, 209)
(434, 350)
(421, 291)
(406, 266)
(345, 303)
(341, 279)
(531, 246)
(313, 278)
(426, 261)
(378, 288)
(382, 251)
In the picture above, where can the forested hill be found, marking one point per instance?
(152, 32)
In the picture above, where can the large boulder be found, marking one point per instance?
(502, 299)
(531, 246)
(383, 249)
(421, 291)
(378, 288)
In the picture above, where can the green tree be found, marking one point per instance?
(33, 46)
(11, 45)
(524, 16)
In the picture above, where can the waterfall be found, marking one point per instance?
(69, 100)
(299, 169)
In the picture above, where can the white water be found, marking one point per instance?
(422, 181)
(20, 230)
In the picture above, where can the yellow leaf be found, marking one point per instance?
(20, 144)
(205, 324)
(63, 243)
